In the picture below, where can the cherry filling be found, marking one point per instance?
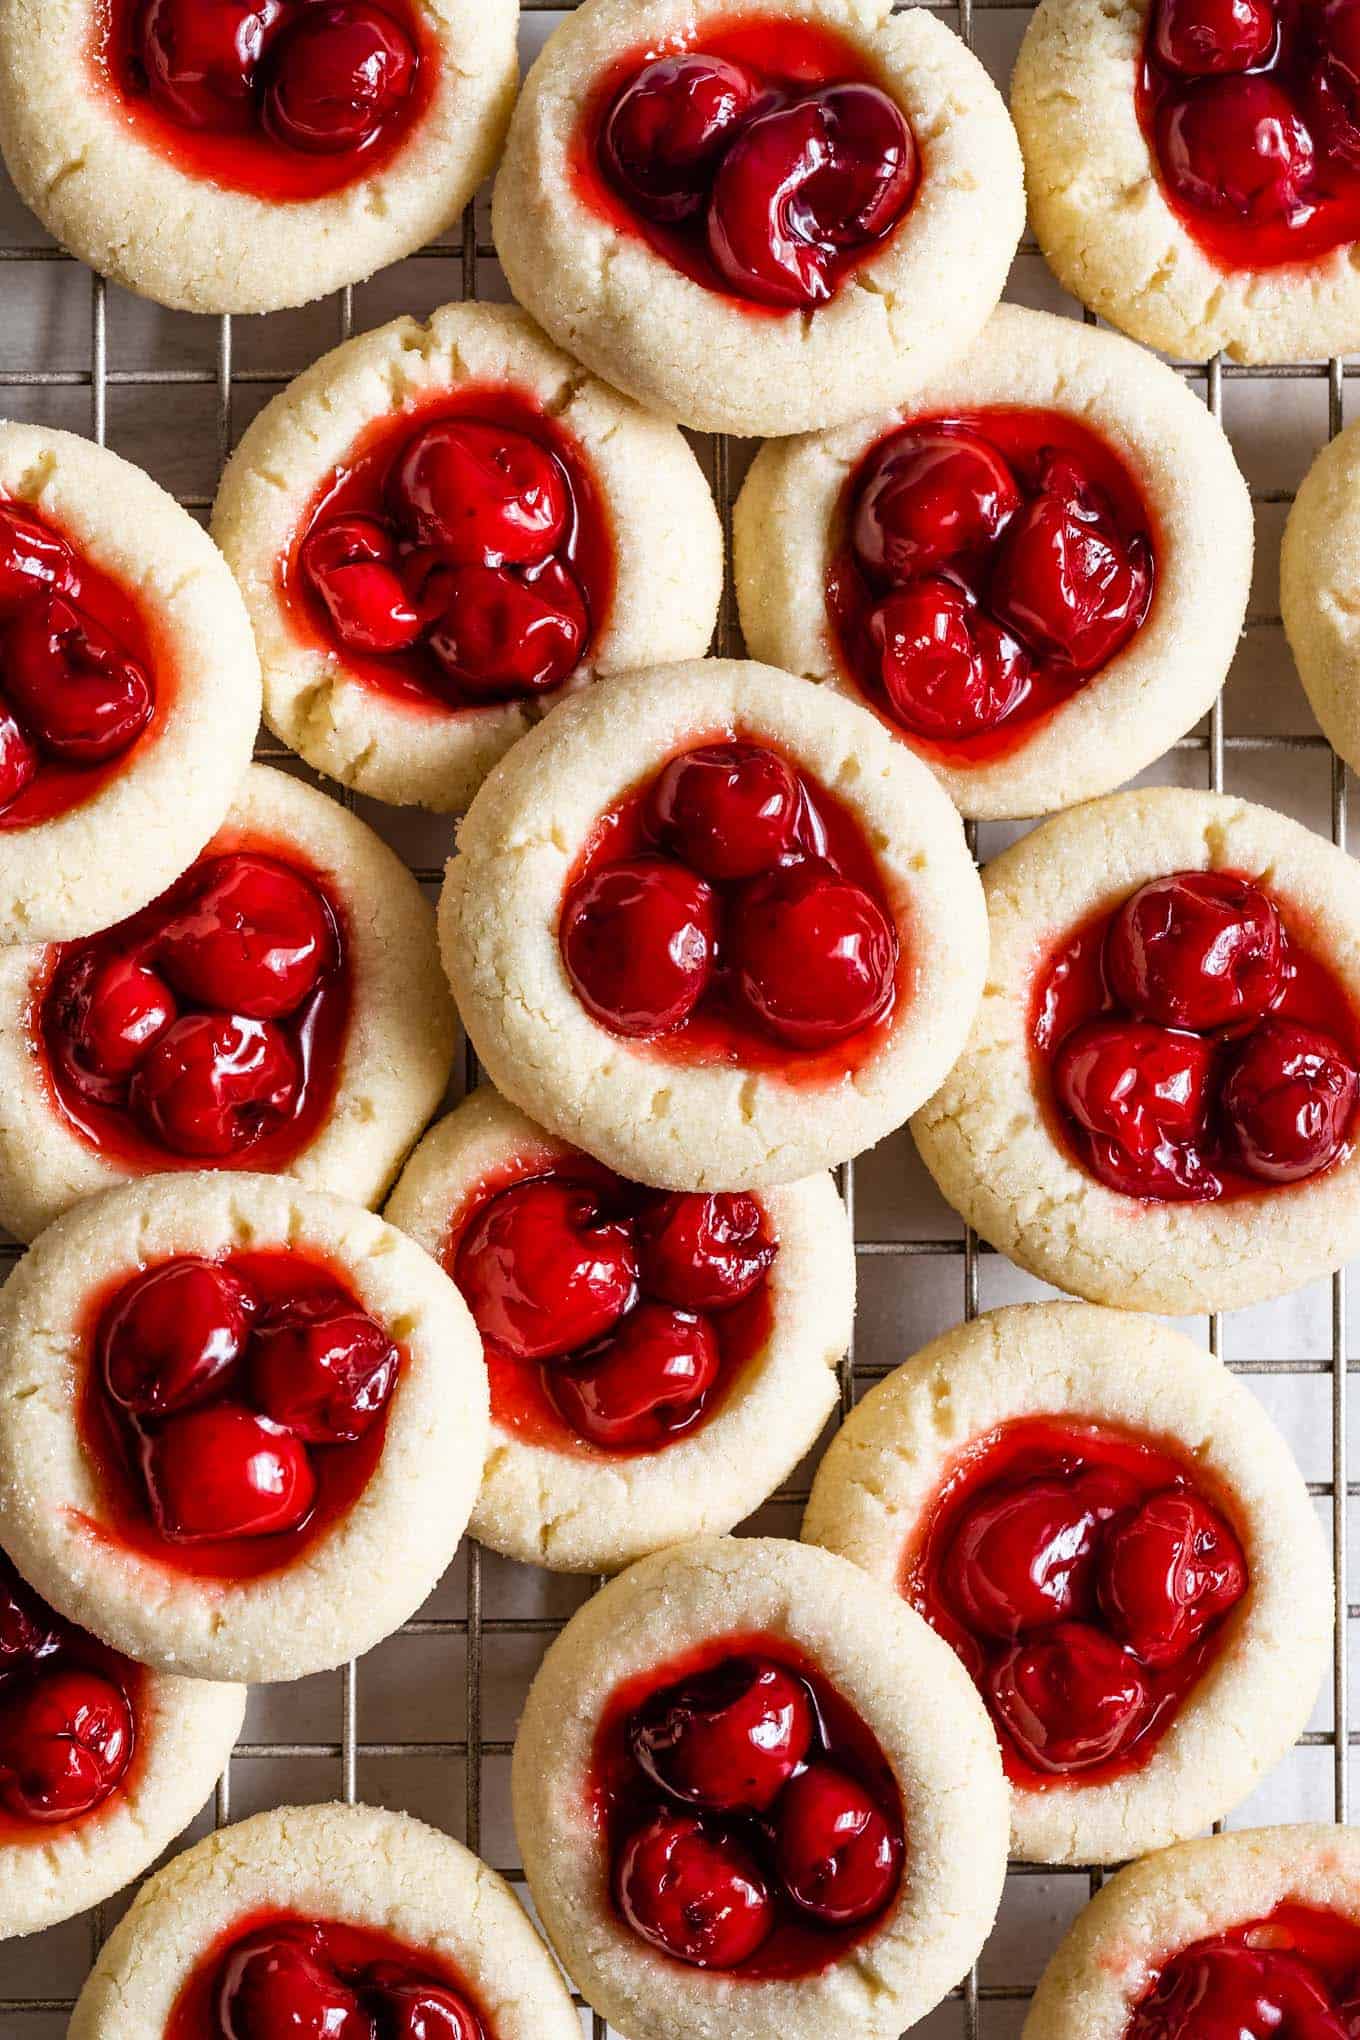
(990, 563)
(80, 685)
(730, 909)
(1084, 1580)
(284, 99)
(1252, 111)
(1190, 1046)
(764, 166)
(751, 1819)
(1294, 1975)
(614, 1319)
(209, 1027)
(233, 1408)
(68, 1717)
(279, 1976)
(459, 558)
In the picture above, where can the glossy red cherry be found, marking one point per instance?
(278, 1985)
(1167, 1572)
(838, 1856)
(694, 1891)
(413, 2009)
(18, 759)
(335, 75)
(813, 956)
(704, 1253)
(727, 810)
(928, 496)
(1069, 1697)
(111, 1010)
(729, 1739)
(214, 1083)
(1288, 1100)
(226, 1471)
(642, 1385)
(1200, 949)
(496, 636)
(200, 58)
(946, 668)
(322, 1367)
(1066, 580)
(1142, 1094)
(174, 1336)
(351, 565)
(33, 560)
(1203, 37)
(1025, 1556)
(1237, 147)
(638, 941)
(543, 1271)
(666, 132)
(482, 494)
(1231, 1993)
(28, 1628)
(831, 172)
(76, 692)
(253, 939)
(66, 1739)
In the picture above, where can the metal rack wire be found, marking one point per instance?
(979, 2009)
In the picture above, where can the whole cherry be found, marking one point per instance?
(544, 1271)
(200, 58)
(638, 940)
(34, 559)
(693, 1890)
(253, 938)
(351, 565)
(704, 1252)
(214, 1083)
(496, 636)
(336, 75)
(1288, 1101)
(1237, 147)
(277, 1984)
(66, 1739)
(838, 1855)
(668, 127)
(1201, 949)
(482, 494)
(19, 761)
(947, 669)
(927, 496)
(1231, 1993)
(28, 1628)
(1066, 580)
(224, 1471)
(642, 1385)
(1167, 1572)
(1024, 1555)
(729, 811)
(414, 2008)
(321, 1367)
(174, 1336)
(1200, 38)
(1141, 1094)
(78, 694)
(728, 1739)
(1069, 1697)
(112, 1008)
(813, 955)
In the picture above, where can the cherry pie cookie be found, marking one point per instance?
(714, 926)
(102, 1762)
(740, 1783)
(280, 1007)
(1320, 590)
(763, 218)
(242, 1424)
(1104, 1524)
(438, 528)
(1256, 1932)
(1157, 1107)
(129, 686)
(338, 1922)
(1194, 169)
(659, 1362)
(242, 155)
(1035, 572)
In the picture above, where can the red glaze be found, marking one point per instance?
(793, 966)
(1252, 1082)
(19, 763)
(991, 563)
(1083, 1579)
(460, 555)
(160, 1081)
(70, 1719)
(1289, 1976)
(614, 1319)
(1251, 109)
(751, 1820)
(287, 100)
(763, 166)
(279, 1976)
(234, 1410)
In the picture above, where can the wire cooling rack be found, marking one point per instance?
(426, 1722)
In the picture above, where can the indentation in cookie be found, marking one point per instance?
(1296, 1972)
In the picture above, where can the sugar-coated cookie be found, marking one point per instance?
(1320, 591)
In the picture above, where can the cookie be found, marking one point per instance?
(1318, 591)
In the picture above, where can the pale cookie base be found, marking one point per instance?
(1320, 590)
(907, 1686)
(888, 1463)
(1110, 1957)
(667, 538)
(685, 1126)
(706, 360)
(787, 528)
(1097, 205)
(985, 1136)
(185, 1732)
(394, 1064)
(354, 1865)
(361, 1578)
(593, 1511)
(107, 858)
(115, 201)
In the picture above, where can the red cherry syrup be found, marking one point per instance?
(1294, 1975)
